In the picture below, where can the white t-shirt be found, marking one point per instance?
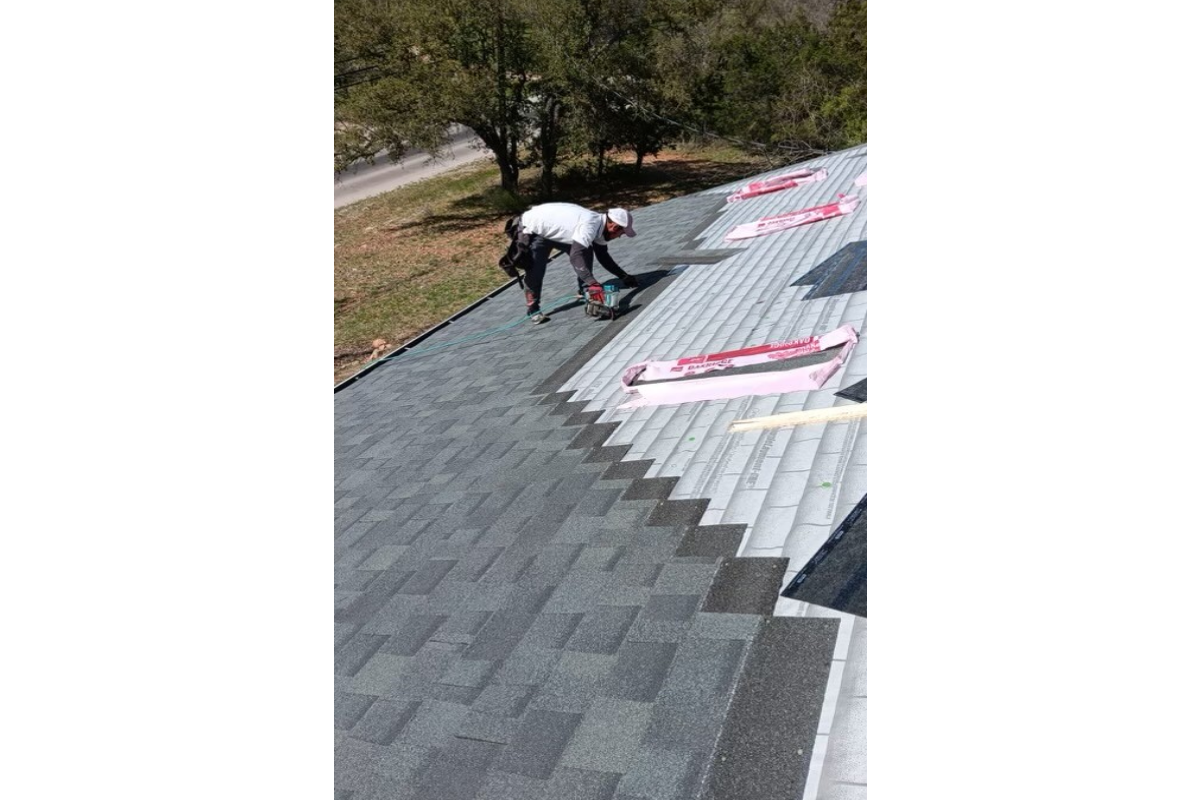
(565, 223)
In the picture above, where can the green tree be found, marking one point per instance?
(438, 62)
(540, 81)
(585, 48)
(846, 111)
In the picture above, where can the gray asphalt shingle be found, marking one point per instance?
(521, 613)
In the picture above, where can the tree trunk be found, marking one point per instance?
(505, 150)
(506, 144)
(509, 171)
(549, 147)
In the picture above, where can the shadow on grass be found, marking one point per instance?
(622, 185)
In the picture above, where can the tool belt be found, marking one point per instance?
(518, 255)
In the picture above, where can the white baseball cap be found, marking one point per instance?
(624, 219)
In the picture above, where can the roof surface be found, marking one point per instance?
(538, 596)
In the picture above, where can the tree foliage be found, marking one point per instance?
(540, 81)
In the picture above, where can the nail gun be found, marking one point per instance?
(602, 301)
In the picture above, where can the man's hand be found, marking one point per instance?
(595, 293)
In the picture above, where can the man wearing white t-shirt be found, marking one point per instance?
(581, 234)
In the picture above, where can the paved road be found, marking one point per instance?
(366, 180)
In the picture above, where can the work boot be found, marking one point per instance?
(630, 281)
(538, 318)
